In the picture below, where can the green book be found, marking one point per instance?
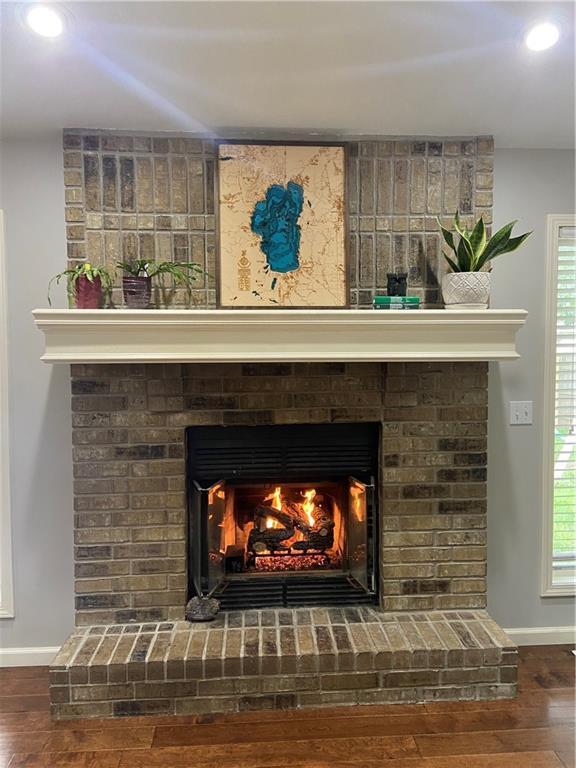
(387, 300)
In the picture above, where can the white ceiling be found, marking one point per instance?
(343, 68)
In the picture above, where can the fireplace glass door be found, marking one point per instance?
(215, 514)
(358, 530)
(285, 528)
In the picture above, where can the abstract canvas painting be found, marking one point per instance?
(282, 225)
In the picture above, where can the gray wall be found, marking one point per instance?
(528, 185)
(32, 196)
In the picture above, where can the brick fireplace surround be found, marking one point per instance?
(431, 638)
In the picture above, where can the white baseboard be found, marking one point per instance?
(27, 657)
(542, 635)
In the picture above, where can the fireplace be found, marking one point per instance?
(283, 515)
(177, 465)
(302, 459)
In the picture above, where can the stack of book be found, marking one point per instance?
(396, 302)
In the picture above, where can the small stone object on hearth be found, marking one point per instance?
(202, 609)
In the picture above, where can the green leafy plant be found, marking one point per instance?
(87, 270)
(183, 272)
(472, 250)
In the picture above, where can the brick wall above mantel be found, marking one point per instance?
(152, 197)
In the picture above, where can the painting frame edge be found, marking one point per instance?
(345, 146)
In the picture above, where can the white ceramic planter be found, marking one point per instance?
(466, 290)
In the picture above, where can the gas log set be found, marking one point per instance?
(293, 531)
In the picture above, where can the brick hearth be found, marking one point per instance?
(282, 658)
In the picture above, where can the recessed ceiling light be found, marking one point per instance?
(542, 36)
(45, 21)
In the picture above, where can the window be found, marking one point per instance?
(6, 593)
(559, 539)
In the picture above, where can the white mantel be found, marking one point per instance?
(210, 335)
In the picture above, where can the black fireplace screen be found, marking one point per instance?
(279, 502)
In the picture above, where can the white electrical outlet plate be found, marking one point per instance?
(521, 412)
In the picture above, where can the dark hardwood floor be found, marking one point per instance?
(534, 731)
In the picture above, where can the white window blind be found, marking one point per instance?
(564, 481)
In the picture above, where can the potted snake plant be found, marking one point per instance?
(88, 286)
(137, 280)
(467, 285)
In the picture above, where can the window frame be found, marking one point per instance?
(548, 587)
(6, 573)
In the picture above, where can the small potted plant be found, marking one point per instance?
(137, 282)
(88, 286)
(467, 286)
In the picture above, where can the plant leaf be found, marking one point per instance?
(496, 242)
(447, 234)
(52, 279)
(516, 242)
(457, 225)
(512, 244)
(465, 255)
(453, 265)
(478, 238)
(462, 231)
(464, 251)
(134, 268)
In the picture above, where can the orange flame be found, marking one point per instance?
(276, 499)
(308, 505)
(357, 495)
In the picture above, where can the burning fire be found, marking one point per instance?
(276, 499)
(308, 504)
(293, 531)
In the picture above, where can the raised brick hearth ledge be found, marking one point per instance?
(282, 659)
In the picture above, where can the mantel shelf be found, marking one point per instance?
(210, 335)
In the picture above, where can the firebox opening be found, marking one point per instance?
(292, 517)
(293, 527)
(284, 527)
